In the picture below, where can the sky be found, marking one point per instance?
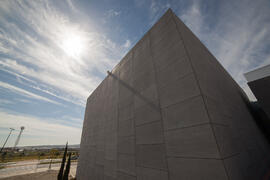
(54, 53)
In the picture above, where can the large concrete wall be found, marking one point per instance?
(170, 111)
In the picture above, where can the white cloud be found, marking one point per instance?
(5, 101)
(25, 93)
(112, 13)
(238, 37)
(127, 44)
(34, 50)
(72, 6)
(157, 8)
(193, 17)
(37, 131)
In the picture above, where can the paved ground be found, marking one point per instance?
(46, 175)
(27, 167)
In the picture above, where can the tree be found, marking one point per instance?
(67, 168)
(60, 174)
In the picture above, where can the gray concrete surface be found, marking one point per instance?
(31, 166)
(169, 110)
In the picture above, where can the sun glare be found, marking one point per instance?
(73, 45)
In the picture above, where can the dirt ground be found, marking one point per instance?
(47, 175)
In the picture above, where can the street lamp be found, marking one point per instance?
(11, 129)
(19, 137)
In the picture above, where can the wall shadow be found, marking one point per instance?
(135, 92)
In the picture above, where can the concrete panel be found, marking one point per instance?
(186, 113)
(125, 100)
(110, 168)
(106, 177)
(126, 145)
(98, 172)
(162, 23)
(126, 164)
(218, 113)
(126, 128)
(151, 133)
(111, 125)
(123, 176)
(142, 63)
(144, 80)
(147, 113)
(193, 142)
(126, 112)
(210, 80)
(236, 167)
(123, 90)
(228, 141)
(146, 96)
(91, 153)
(176, 70)
(100, 157)
(196, 169)
(126, 74)
(169, 55)
(141, 48)
(152, 156)
(182, 89)
(164, 36)
(151, 174)
(110, 154)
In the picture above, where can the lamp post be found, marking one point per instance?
(11, 129)
(18, 138)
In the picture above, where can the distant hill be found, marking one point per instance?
(73, 146)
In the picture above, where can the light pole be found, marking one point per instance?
(11, 129)
(18, 138)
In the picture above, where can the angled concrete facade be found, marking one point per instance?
(170, 111)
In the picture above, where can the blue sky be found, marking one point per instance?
(53, 54)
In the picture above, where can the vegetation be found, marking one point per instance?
(60, 174)
(21, 156)
(14, 156)
(67, 168)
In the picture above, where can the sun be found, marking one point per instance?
(73, 45)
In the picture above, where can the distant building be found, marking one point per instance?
(259, 83)
(170, 111)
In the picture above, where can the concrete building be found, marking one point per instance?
(170, 111)
(259, 83)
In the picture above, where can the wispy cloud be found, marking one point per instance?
(112, 13)
(37, 50)
(239, 37)
(33, 40)
(5, 101)
(157, 8)
(127, 44)
(25, 93)
(72, 6)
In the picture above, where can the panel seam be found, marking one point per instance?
(160, 111)
(196, 78)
